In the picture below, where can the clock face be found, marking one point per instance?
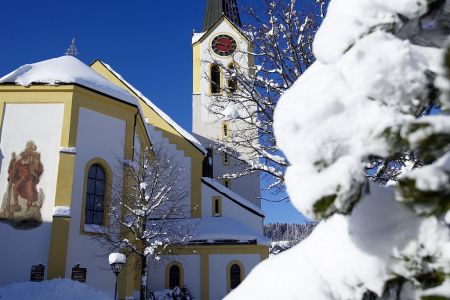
(224, 45)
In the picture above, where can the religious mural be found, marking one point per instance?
(22, 202)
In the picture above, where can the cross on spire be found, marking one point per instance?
(72, 50)
(215, 9)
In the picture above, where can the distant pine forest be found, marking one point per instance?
(285, 236)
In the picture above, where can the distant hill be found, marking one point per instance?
(285, 236)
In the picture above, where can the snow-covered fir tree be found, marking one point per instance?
(379, 64)
(149, 206)
(281, 35)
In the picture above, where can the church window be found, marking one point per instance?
(232, 81)
(216, 206)
(95, 196)
(174, 275)
(235, 274)
(208, 164)
(227, 183)
(215, 79)
(225, 130)
(226, 158)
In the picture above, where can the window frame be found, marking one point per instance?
(212, 84)
(218, 200)
(167, 273)
(89, 229)
(232, 81)
(242, 273)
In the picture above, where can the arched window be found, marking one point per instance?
(174, 276)
(95, 196)
(235, 276)
(225, 130)
(215, 79)
(232, 81)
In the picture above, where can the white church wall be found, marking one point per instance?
(218, 264)
(99, 136)
(42, 124)
(230, 210)
(192, 273)
(177, 156)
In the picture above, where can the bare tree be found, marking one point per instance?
(280, 34)
(148, 209)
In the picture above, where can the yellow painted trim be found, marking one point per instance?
(196, 68)
(171, 134)
(107, 198)
(207, 34)
(59, 239)
(213, 203)
(204, 276)
(2, 109)
(234, 262)
(167, 273)
(57, 255)
(221, 76)
(128, 281)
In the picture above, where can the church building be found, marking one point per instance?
(64, 124)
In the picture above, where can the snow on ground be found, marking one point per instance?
(66, 70)
(338, 261)
(56, 289)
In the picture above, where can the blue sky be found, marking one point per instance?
(148, 42)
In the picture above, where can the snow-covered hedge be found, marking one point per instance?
(379, 66)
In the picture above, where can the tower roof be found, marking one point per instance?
(215, 9)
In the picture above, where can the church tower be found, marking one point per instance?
(221, 43)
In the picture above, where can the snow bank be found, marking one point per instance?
(66, 70)
(346, 255)
(56, 289)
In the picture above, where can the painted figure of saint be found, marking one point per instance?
(22, 202)
(24, 174)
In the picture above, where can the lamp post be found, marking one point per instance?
(117, 261)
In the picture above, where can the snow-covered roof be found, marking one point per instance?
(232, 195)
(197, 36)
(222, 228)
(66, 70)
(162, 114)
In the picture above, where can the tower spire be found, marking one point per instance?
(72, 50)
(215, 9)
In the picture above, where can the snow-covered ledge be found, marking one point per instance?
(93, 228)
(61, 211)
(69, 150)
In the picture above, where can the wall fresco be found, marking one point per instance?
(22, 201)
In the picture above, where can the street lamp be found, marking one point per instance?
(117, 260)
